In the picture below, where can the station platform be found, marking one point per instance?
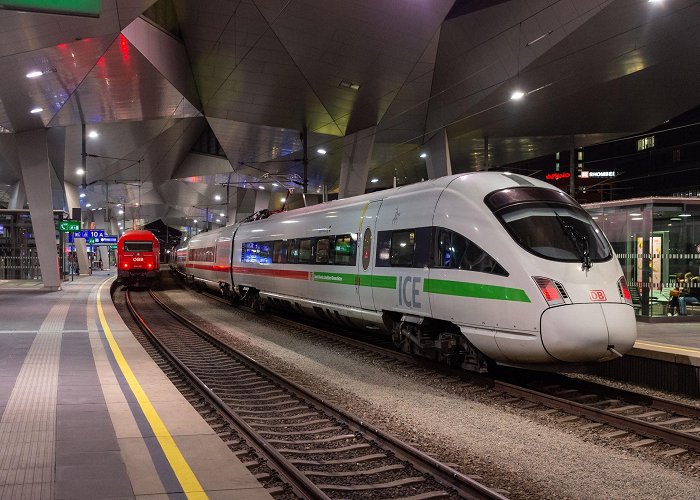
(677, 342)
(86, 413)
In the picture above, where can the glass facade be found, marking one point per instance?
(657, 241)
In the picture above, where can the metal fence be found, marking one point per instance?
(20, 268)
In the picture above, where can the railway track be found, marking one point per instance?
(654, 419)
(319, 450)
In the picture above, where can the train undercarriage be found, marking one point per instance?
(439, 341)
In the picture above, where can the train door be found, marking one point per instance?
(366, 243)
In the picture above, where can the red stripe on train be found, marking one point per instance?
(209, 267)
(274, 273)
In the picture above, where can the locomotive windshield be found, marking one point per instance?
(550, 224)
(138, 246)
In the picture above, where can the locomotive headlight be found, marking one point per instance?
(550, 291)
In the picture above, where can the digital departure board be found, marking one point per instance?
(91, 8)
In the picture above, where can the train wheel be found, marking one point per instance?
(401, 339)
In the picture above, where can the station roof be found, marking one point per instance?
(183, 96)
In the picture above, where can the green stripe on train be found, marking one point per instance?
(476, 290)
(443, 287)
(354, 279)
(336, 278)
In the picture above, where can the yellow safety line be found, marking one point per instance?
(668, 346)
(183, 472)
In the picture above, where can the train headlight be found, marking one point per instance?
(126, 265)
(550, 291)
(624, 291)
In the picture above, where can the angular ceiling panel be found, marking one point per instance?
(258, 72)
(336, 41)
(123, 85)
(166, 54)
(245, 74)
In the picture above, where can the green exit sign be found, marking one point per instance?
(91, 8)
(68, 225)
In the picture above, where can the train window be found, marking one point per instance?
(383, 249)
(279, 252)
(305, 251)
(402, 247)
(322, 246)
(258, 252)
(138, 246)
(454, 251)
(293, 252)
(556, 232)
(345, 249)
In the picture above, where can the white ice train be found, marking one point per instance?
(468, 269)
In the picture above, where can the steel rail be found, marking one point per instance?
(447, 475)
(296, 479)
(626, 422)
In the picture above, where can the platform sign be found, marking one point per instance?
(90, 233)
(90, 8)
(107, 239)
(86, 234)
(68, 225)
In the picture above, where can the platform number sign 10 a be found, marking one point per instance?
(597, 295)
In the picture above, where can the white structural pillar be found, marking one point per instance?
(354, 166)
(36, 175)
(18, 197)
(438, 162)
(105, 225)
(262, 200)
(241, 204)
(73, 201)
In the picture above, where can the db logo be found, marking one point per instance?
(597, 295)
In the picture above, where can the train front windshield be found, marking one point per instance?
(138, 246)
(550, 224)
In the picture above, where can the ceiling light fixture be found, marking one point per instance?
(517, 93)
(261, 187)
(36, 110)
(121, 212)
(34, 74)
(93, 134)
(424, 155)
(538, 38)
(88, 205)
(374, 181)
(344, 84)
(217, 197)
(684, 215)
(80, 171)
(83, 195)
(274, 184)
(321, 151)
(218, 220)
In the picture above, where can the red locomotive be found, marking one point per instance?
(138, 258)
